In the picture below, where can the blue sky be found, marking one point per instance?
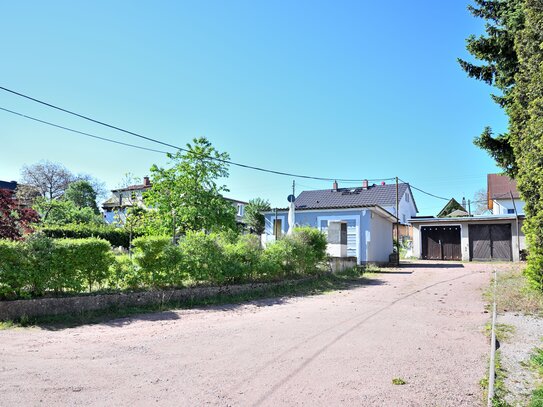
(346, 89)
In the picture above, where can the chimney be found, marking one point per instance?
(365, 184)
(334, 186)
(146, 181)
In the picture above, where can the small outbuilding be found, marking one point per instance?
(487, 238)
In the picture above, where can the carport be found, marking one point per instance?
(480, 238)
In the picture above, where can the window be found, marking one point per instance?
(240, 210)
(510, 211)
(403, 219)
(407, 197)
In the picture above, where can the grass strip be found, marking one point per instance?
(319, 285)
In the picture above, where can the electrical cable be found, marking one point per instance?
(177, 147)
(81, 132)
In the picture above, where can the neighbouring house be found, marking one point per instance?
(368, 212)
(503, 195)
(453, 209)
(123, 198)
(240, 209)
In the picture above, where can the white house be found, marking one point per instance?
(123, 198)
(368, 211)
(503, 195)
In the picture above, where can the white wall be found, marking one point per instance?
(380, 244)
(405, 207)
(501, 206)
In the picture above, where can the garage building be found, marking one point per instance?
(480, 238)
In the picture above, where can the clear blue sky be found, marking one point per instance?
(347, 89)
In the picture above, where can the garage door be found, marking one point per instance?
(441, 243)
(490, 242)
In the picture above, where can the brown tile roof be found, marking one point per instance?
(499, 186)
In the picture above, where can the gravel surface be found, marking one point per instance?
(515, 351)
(422, 323)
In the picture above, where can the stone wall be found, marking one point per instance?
(13, 310)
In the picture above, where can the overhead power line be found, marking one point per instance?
(82, 132)
(261, 169)
(427, 193)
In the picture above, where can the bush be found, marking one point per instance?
(122, 273)
(41, 264)
(203, 257)
(242, 259)
(158, 262)
(116, 236)
(301, 253)
(11, 268)
(38, 250)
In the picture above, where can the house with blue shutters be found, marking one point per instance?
(368, 210)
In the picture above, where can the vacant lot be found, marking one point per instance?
(422, 324)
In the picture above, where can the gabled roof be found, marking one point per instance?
(139, 187)
(381, 195)
(498, 187)
(451, 206)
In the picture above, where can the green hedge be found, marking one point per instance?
(116, 236)
(42, 264)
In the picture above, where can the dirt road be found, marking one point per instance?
(421, 324)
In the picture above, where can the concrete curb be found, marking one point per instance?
(492, 366)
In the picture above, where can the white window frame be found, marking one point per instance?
(340, 218)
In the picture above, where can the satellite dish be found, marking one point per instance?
(291, 198)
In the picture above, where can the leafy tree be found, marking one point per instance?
(49, 179)
(82, 194)
(496, 50)
(14, 221)
(526, 128)
(253, 214)
(186, 195)
(64, 212)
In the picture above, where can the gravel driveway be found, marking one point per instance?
(422, 323)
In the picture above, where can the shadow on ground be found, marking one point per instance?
(269, 297)
(430, 265)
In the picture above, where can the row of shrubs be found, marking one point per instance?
(117, 237)
(42, 265)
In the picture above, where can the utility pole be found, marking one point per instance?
(518, 223)
(397, 222)
(293, 188)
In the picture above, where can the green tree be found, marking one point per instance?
(62, 212)
(526, 128)
(253, 214)
(82, 194)
(499, 63)
(186, 195)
